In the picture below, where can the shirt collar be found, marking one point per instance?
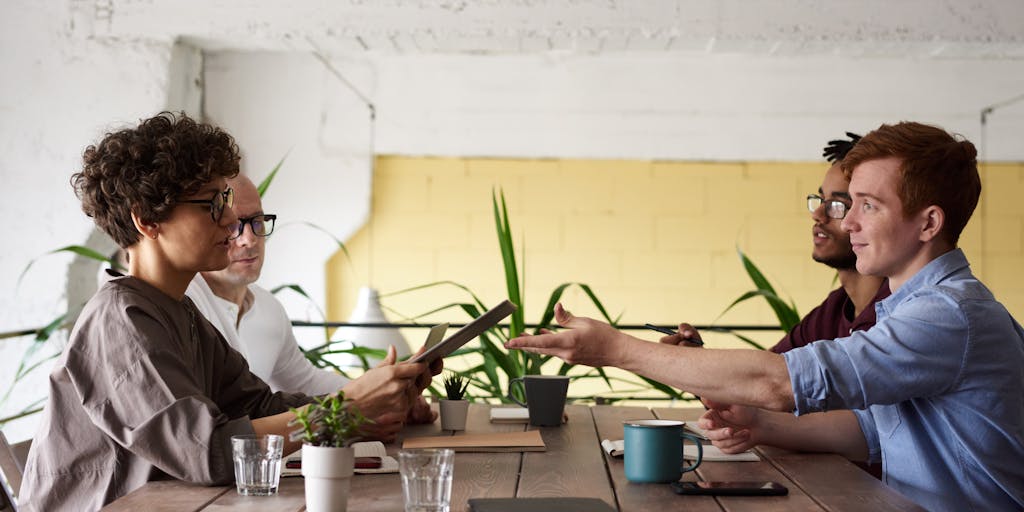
(230, 306)
(931, 274)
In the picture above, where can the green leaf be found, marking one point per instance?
(293, 287)
(556, 296)
(785, 313)
(47, 331)
(265, 184)
(508, 260)
(80, 250)
(747, 340)
(597, 302)
(340, 244)
(662, 387)
(298, 289)
(549, 310)
(755, 274)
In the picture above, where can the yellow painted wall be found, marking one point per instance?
(656, 240)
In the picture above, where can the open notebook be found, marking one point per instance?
(366, 449)
(711, 453)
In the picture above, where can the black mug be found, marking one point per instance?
(545, 398)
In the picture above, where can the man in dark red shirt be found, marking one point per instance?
(852, 306)
(849, 308)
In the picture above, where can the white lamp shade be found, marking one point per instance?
(368, 311)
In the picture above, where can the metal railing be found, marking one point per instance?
(624, 327)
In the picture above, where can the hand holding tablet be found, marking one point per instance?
(478, 326)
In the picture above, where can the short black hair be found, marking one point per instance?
(836, 150)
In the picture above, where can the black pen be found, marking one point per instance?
(670, 332)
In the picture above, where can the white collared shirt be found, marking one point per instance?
(264, 336)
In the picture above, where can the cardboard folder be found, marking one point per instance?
(529, 441)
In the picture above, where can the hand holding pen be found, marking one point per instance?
(687, 335)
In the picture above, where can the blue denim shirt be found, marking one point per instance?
(937, 386)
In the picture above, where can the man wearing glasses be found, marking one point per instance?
(851, 307)
(934, 391)
(256, 324)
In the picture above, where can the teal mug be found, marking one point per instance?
(654, 450)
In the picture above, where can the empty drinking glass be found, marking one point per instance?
(257, 463)
(427, 479)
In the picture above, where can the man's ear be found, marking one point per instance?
(933, 219)
(147, 229)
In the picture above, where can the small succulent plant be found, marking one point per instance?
(455, 386)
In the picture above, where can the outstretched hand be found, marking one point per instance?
(585, 341)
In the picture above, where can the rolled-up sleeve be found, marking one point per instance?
(914, 352)
(823, 379)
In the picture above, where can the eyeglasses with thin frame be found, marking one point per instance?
(217, 203)
(261, 225)
(833, 208)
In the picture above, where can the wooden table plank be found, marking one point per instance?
(383, 492)
(761, 471)
(290, 497)
(573, 464)
(836, 483)
(167, 495)
(633, 496)
(484, 475)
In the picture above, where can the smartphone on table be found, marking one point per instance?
(360, 463)
(730, 488)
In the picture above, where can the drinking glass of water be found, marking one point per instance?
(427, 479)
(257, 463)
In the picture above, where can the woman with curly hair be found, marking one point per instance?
(147, 388)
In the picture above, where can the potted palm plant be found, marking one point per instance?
(327, 427)
(455, 408)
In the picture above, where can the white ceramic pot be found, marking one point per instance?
(453, 414)
(328, 474)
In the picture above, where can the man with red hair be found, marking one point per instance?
(935, 390)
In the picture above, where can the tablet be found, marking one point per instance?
(464, 335)
(435, 335)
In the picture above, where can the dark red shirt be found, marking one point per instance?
(831, 320)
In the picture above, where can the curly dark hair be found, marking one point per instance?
(147, 169)
(836, 149)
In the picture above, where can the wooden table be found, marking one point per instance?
(572, 465)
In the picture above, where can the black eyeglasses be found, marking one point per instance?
(833, 208)
(217, 203)
(261, 225)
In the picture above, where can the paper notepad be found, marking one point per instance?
(529, 441)
(515, 415)
(388, 464)
(510, 415)
(617, 448)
